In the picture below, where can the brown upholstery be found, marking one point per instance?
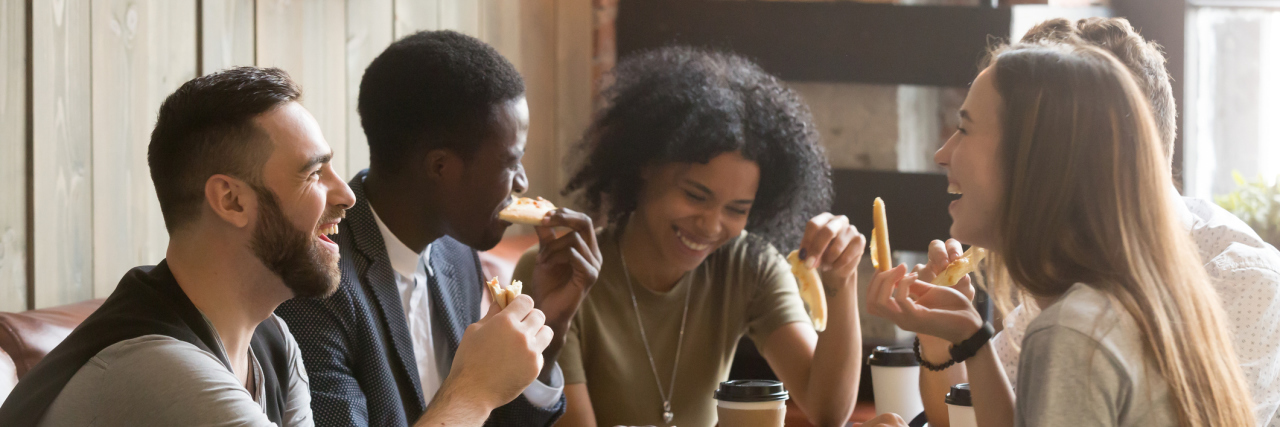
(8, 375)
(28, 336)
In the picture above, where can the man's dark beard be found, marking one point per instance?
(295, 255)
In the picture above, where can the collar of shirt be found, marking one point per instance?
(403, 259)
(1179, 205)
(256, 387)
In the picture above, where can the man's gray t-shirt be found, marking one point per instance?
(1083, 365)
(156, 380)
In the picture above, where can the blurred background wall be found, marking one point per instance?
(82, 80)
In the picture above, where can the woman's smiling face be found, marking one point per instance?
(971, 158)
(687, 210)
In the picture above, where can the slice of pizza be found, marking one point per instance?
(962, 266)
(810, 290)
(526, 211)
(503, 296)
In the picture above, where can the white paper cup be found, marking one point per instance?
(895, 379)
(960, 407)
(751, 403)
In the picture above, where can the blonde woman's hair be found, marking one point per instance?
(1086, 200)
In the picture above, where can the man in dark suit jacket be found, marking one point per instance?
(446, 120)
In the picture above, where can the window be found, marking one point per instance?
(1233, 94)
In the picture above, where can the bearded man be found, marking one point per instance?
(243, 177)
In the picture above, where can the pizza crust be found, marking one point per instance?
(961, 267)
(881, 257)
(811, 290)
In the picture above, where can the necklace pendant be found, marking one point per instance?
(666, 416)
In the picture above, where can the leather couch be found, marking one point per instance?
(27, 337)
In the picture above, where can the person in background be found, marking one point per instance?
(1064, 178)
(704, 166)
(247, 193)
(402, 340)
(1243, 269)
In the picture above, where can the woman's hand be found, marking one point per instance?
(940, 256)
(920, 307)
(833, 246)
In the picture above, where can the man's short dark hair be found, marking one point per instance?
(206, 128)
(430, 90)
(1144, 58)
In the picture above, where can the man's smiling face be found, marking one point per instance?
(300, 202)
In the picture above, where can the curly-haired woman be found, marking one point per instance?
(705, 166)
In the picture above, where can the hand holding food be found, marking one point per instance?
(503, 296)
(921, 307)
(961, 267)
(810, 290)
(880, 258)
(526, 211)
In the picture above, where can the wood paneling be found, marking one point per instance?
(462, 16)
(75, 119)
(574, 56)
(306, 39)
(13, 155)
(541, 154)
(62, 163)
(227, 34)
(143, 50)
(500, 27)
(412, 16)
(369, 31)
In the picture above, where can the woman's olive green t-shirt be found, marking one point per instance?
(744, 287)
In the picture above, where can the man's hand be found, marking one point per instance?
(920, 307)
(567, 266)
(499, 357)
(835, 248)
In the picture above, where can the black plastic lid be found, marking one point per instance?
(751, 391)
(893, 356)
(959, 395)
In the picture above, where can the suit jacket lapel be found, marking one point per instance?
(378, 277)
(449, 302)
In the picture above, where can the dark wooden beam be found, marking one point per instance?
(915, 204)
(824, 41)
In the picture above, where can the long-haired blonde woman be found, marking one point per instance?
(1064, 181)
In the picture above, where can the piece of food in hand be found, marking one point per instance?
(503, 296)
(810, 290)
(880, 258)
(956, 270)
(526, 211)
(496, 291)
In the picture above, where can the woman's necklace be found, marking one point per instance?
(667, 415)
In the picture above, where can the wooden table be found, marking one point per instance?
(862, 412)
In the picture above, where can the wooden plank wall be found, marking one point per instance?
(62, 186)
(77, 205)
(142, 52)
(226, 38)
(13, 154)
